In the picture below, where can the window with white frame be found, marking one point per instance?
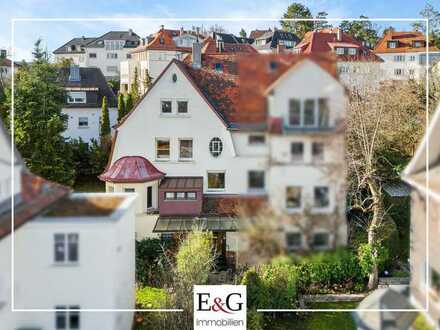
(66, 249)
(317, 151)
(257, 139)
(352, 51)
(323, 112)
(216, 180)
(170, 195)
(297, 151)
(321, 240)
(412, 58)
(256, 180)
(162, 149)
(114, 44)
(166, 106)
(293, 197)
(294, 112)
(215, 146)
(309, 112)
(321, 197)
(340, 50)
(293, 241)
(185, 149)
(67, 318)
(399, 58)
(129, 190)
(182, 107)
(92, 55)
(76, 97)
(83, 122)
(112, 56)
(180, 195)
(392, 44)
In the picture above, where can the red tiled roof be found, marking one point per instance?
(325, 41)
(209, 47)
(131, 169)
(405, 40)
(257, 33)
(162, 40)
(5, 62)
(37, 195)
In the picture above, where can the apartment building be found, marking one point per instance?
(105, 52)
(357, 65)
(404, 54)
(266, 130)
(425, 264)
(85, 89)
(71, 252)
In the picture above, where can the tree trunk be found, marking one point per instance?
(373, 278)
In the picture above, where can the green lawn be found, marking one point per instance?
(319, 320)
(89, 184)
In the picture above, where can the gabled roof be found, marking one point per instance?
(131, 39)
(162, 40)
(90, 78)
(79, 43)
(326, 41)
(273, 38)
(255, 34)
(131, 169)
(209, 47)
(404, 42)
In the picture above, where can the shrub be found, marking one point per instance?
(255, 320)
(150, 298)
(149, 252)
(370, 255)
(257, 293)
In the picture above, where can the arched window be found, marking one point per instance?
(216, 146)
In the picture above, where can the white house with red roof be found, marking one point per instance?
(266, 131)
(71, 252)
(354, 61)
(404, 54)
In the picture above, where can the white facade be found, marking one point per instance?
(405, 65)
(84, 123)
(239, 155)
(103, 276)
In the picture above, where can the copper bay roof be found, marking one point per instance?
(131, 169)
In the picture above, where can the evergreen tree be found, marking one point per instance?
(299, 28)
(148, 80)
(135, 86)
(121, 106)
(242, 33)
(38, 121)
(105, 120)
(128, 103)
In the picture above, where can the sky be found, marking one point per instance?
(145, 17)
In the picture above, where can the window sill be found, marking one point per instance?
(83, 127)
(216, 190)
(294, 210)
(65, 264)
(174, 115)
(256, 191)
(163, 160)
(186, 160)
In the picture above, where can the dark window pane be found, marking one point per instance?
(257, 139)
(294, 112)
(74, 318)
(293, 197)
(166, 106)
(294, 240)
(73, 246)
(320, 240)
(216, 180)
(186, 149)
(318, 151)
(323, 113)
(297, 151)
(59, 247)
(182, 106)
(60, 318)
(256, 179)
(163, 149)
(309, 112)
(321, 197)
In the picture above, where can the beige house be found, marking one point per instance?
(423, 174)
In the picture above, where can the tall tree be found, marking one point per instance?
(321, 24)
(433, 15)
(243, 33)
(135, 86)
(121, 106)
(363, 31)
(38, 120)
(148, 81)
(297, 10)
(128, 103)
(105, 121)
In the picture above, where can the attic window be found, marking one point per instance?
(174, 77)
(218, 67)
(273, 65)
(392, 44)
(161, 41)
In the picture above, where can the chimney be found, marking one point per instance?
(181, 31)
(162, 27)
(74, 73)
(338, 34)
(196, 55)
(130, 32)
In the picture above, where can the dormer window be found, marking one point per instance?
(161, 41)
(76, 97)
(352, 51)
(418, 44)
(273, 65)
(392, 44)
(218, 67)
